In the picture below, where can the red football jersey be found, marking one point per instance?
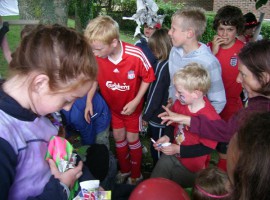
(120, 80)
(197, 163)
(228, 59)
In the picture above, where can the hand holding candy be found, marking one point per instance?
(162, 142)
(69, 177)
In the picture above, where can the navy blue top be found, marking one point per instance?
(142, 43)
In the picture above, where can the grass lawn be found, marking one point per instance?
(13, 37)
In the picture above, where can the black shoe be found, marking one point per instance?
(3, 31)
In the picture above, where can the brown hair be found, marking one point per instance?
(59, 52)
(251, 175)
(210, 183)
(255, 56)
(160, 44)
(230, 16)
(27, 30)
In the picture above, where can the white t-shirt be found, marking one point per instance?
(9, 7)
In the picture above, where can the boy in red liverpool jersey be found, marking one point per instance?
(124, 74)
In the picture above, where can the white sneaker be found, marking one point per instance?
(122, 177)
(134, 181)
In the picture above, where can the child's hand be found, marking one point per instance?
(130, 107)
(170, 102)
(69, 177)
(171, 149)
(170, 117)
(144, 123)
(88, 112)
(163, 139)
(217, 41)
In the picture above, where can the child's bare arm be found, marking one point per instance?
(131, 106)
(89, 106)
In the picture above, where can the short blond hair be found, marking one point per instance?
(193, 17)
(103, 29)
(193, 77)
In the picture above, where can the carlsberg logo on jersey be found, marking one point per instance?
(117, 86)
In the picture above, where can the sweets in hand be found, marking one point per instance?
(161, 144)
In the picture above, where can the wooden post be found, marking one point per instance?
(22, 22)
(258, 29)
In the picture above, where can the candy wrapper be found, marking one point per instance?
(89, 191)
(61, 151)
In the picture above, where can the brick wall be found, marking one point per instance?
(245, 5)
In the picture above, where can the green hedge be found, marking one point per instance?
(265, 31)
(168, 9)
(209, 32)
(125, 9)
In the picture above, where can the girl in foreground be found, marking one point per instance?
(50, 69)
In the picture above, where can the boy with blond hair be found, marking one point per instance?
(124, 75)
(188, 153)
(187, 27)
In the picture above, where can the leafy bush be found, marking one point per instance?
(124, 9)
(209, 31)
(265, 31)
(127, 7)
(168, 9)
(71, 8)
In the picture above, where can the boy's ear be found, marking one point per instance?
(190, 33)
(197, 94)
(40, 83)
(114, 43)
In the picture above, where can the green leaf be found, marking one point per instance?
(260, 3)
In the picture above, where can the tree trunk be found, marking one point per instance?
(29, 9)
(55, 11)
(83, 13)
